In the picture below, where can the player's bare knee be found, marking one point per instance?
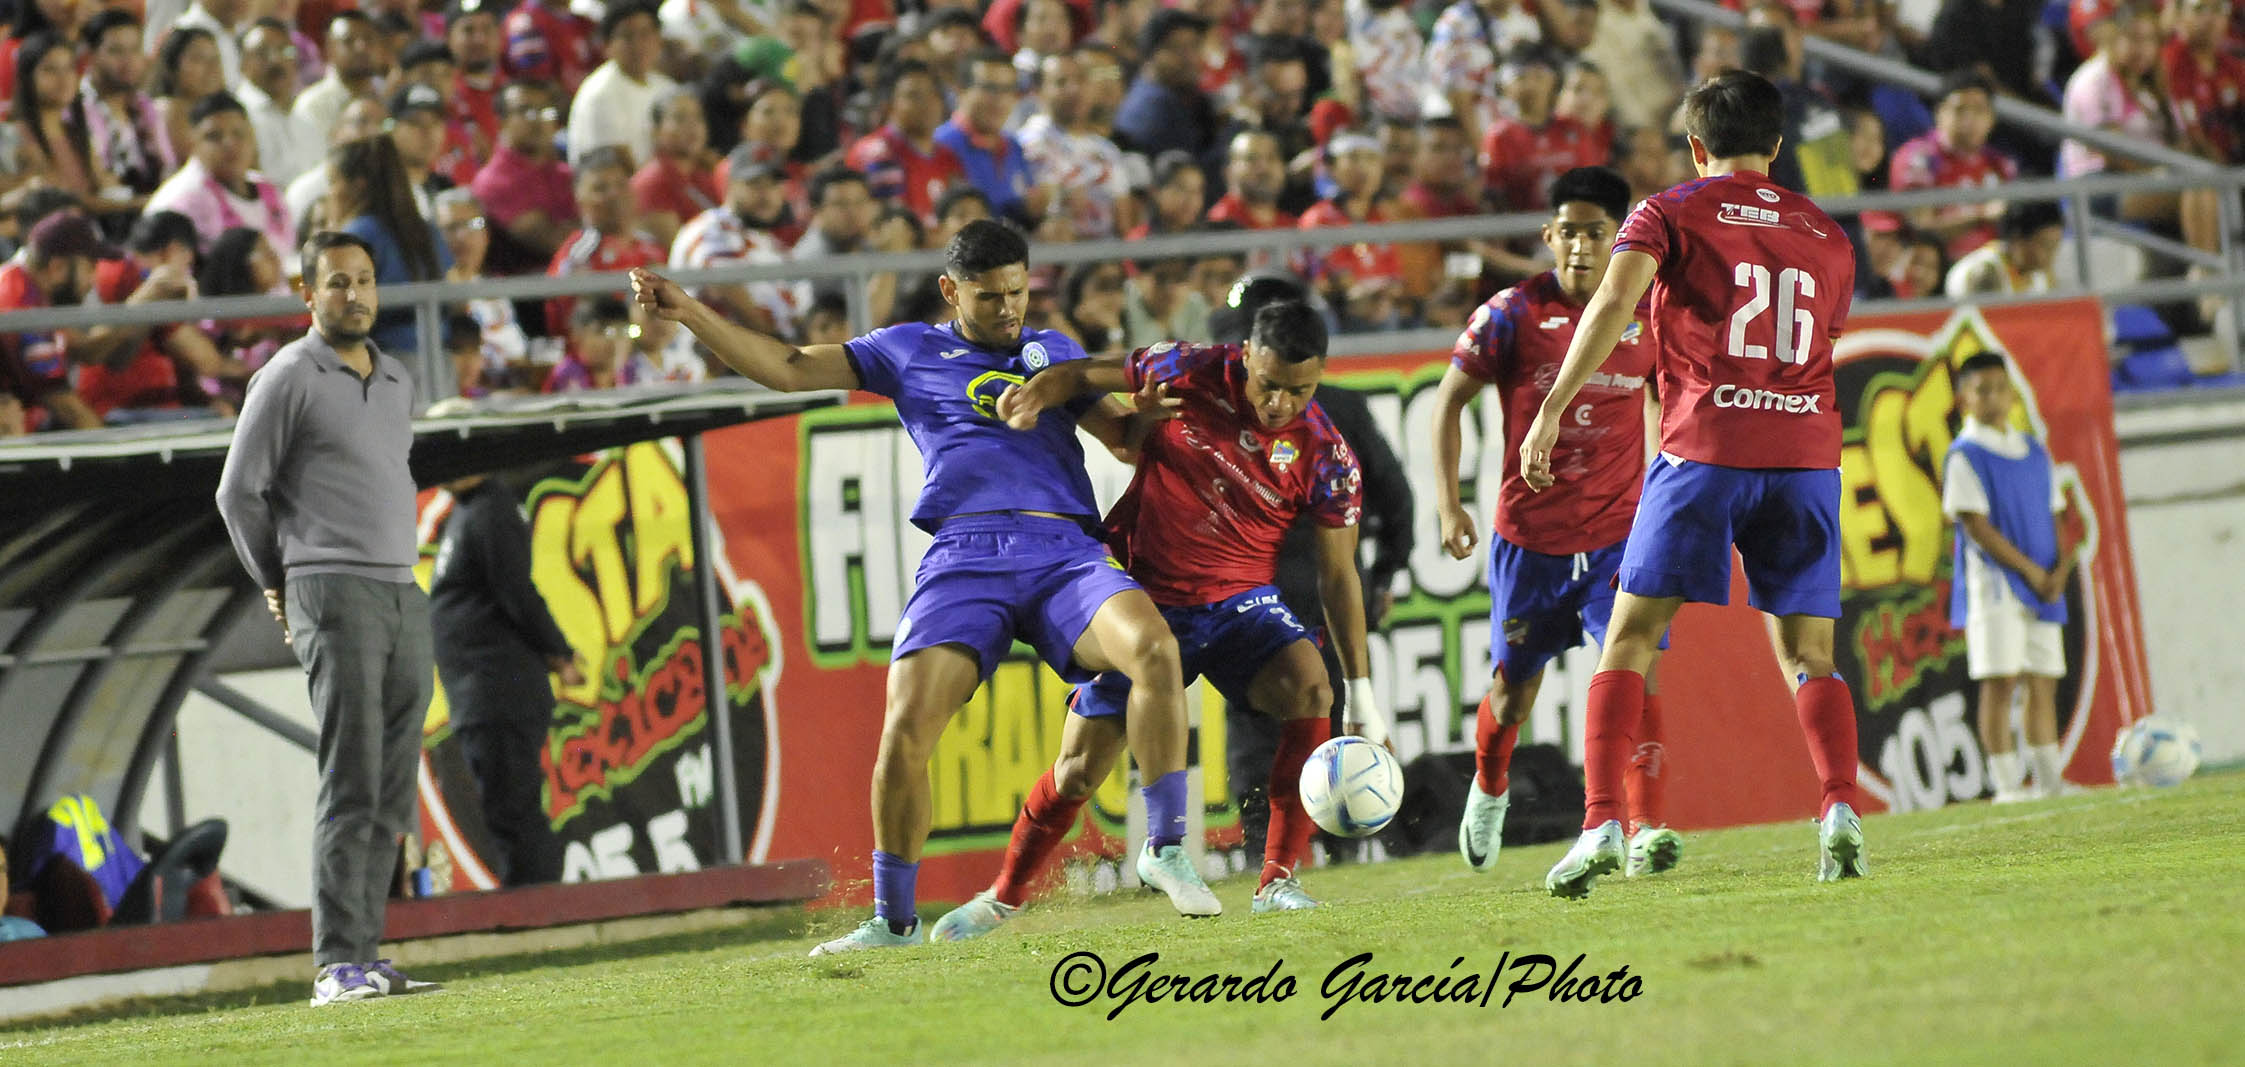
(1312, 698)
(1151, 658)
(1074, 776)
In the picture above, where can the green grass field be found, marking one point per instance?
(2097, 929)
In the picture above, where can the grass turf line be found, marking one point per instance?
(2099, 928)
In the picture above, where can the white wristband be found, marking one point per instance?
(1362, 712)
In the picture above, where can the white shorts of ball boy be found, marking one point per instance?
(2003, 639)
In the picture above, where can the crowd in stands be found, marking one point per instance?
(169, 151)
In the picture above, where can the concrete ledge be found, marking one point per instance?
(47, 975)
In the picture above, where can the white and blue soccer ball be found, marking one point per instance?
(1352, 787)
(2155, 751)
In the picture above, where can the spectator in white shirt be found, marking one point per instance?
(1071, 154)
(356, 58)
(2018, 260)
(612, 106)
(740, 231)
(219, 17)
(361, 117)
(288, 145)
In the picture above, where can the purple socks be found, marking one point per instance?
(895, 883)
(1165, 810)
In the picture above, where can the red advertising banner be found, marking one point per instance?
(817, 558)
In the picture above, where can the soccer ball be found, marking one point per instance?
(1352, 787)
(2155, 751)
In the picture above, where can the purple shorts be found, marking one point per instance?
(989, 579)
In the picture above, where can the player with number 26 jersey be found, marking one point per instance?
(1745, 309)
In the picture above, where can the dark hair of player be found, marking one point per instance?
(1600, 187)
(1292, 330)
(1981, 361)
(982, 246)
(1735, 113)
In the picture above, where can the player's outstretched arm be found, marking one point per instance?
(767, 361)
(1055, 385)
(1459, 533)
(1343, 593)
(1627, 278)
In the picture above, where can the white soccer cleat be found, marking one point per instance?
(1282, 894)
(1839, 845)
(1170, 870)
(1654, 849)
(1481, 832)
(872, 933)
(1596, 852)
(2012, 796)
(972, 919)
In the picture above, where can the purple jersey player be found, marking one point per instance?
(1013, 555)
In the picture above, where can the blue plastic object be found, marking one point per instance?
(2136, 326)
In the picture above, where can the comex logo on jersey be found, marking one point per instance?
(1733, 396)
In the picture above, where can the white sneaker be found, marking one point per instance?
(1170, 869)
(2012, 796)
(1654, 849)
(1596, 852)
(1481, 832)
(1282, 894)
(1840, 845)
(872, 933)
(972, 919)
(341, 983)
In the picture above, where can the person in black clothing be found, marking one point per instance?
(495, 645)
(1251, 737)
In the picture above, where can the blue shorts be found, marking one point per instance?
(1540, 606)
(1227, 642)
(989, 579)
(1785, 523)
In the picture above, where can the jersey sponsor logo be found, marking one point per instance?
(1555, 321)
(1749, 215)
(1267, 600)
(1283, 453)
(1732, 396)
(952, 353)
(984, 390)
(1033, 356)
(1769, 195)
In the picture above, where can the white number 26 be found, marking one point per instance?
(1792, 346)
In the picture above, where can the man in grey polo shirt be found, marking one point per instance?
(318, 499)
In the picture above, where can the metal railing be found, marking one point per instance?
(429, 299)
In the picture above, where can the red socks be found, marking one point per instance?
(1644, 783)
(1492, 750)
(1616, 704)
(1827, 713)
(1044, 821)
(1288, 841)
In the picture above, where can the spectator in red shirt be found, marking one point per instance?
(429, 63)
(54, 269)
(1441, 187)
(901, 159)
(1956, 154)
(681, 181)
(2207, 83)
(1362, 279)
(548, 42)
(1399, 150)
(1553, 127)
(1255, 174)
(158, 378)
(472, 32)
(609, 239)
(525, 188)
(1272, 99)
(773, 127)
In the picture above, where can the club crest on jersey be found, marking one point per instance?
(1283, 453)
(1033, 356)
(1249, 441)
(1631, 332)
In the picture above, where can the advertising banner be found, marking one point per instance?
(816, 559)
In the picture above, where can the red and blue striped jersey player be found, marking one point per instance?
(1216, 489)
(1014, 555)
(1750, 284)
(1553, 556)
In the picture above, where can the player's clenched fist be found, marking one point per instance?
(1458, 537)
(1535, 452)
(658, 294)
(1020, 405)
